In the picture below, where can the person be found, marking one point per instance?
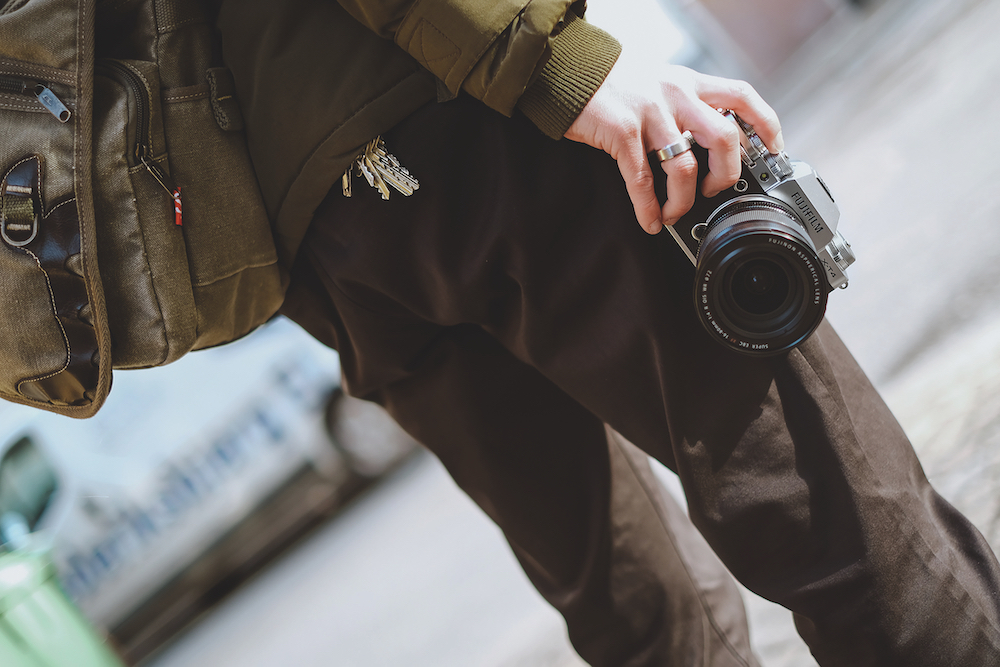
(514, 318)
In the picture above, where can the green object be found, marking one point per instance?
(39, 626)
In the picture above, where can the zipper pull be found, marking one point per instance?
(165, 183)
(52, 103)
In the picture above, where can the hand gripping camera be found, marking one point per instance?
(766, 252)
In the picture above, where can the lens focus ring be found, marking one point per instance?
(751, 209)
(760, 285)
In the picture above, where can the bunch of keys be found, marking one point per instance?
(381, 169)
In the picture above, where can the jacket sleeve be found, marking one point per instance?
(536, 52)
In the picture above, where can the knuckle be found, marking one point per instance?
(630, 127)
(677, 90)
(684, 167)
(644, 181)
(640, 183)
(743, 91)
(729, 137)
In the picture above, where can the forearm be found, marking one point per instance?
(535, 55)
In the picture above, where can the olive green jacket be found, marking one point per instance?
(317, 79)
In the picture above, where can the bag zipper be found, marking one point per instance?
(41, 91)
(143, 149)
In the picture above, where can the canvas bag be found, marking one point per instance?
(132, 230)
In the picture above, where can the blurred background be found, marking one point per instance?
(235, 508)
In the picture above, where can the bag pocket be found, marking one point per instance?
(49, 343)
(141, 245)
(231, 251)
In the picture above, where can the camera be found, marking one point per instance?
(766, 251)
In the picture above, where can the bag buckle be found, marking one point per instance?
(19, 204)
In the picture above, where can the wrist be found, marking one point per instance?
(582, 55)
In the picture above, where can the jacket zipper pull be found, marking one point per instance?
(52, 103)
(165, 182)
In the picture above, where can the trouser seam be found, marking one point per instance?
(670, 538)
(903, 518)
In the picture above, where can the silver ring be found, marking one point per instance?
(676, 148)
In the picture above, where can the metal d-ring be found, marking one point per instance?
(17, 191)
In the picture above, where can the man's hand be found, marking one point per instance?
(637, 110)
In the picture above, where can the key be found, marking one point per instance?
(394, 176)
(345, 181)
(397, 175)
(363, 171)
(381, 169)
(395, 180)
(376, 178)
(391, 165)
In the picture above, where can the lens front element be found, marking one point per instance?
(760, 287)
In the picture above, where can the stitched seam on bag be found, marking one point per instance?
(175, 26)
(68, 201)
(84, 85)
(29, 103)
(419, 41)
(26, 107)
(238, 271)
(182, 98)
(62, 329)
(49, 74)
(160, 160)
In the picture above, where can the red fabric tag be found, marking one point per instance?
(178, 217)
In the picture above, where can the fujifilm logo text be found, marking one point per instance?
(807, 213)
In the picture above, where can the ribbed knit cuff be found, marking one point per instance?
(582, 56)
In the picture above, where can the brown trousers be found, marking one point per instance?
(512, 307)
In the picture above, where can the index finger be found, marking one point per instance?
(741, 98)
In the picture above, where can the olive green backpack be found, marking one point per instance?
(132, 230)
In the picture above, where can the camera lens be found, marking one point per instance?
(760, 285)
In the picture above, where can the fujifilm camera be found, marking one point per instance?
(766, 251)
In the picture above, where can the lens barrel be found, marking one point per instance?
(760, 286)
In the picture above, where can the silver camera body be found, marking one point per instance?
(766, 252)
